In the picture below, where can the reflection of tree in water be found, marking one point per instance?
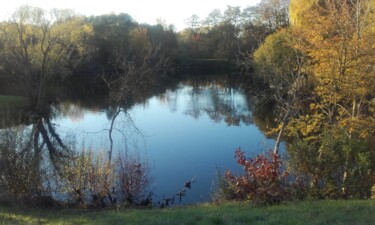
(169, 98)
(220, 99)
(28, 154)
(74, 111)
(262, 107)
(196, 104)
(36, 164)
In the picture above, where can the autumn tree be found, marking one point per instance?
(281, 67)
(321, 72)
(37, 45)
(338, 38)
(257, 23)
(297, 9)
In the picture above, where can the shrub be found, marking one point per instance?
(132, 179)
(21, 172)
(333, 166)
(263, 181)
(89, 178)
(93, 181)
(221, 189)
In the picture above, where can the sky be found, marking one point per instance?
(143, 11)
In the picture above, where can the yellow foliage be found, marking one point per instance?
(42, 41)
(339, 40)
(297, 8)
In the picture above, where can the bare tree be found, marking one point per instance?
(133, 76)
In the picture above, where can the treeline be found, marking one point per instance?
(95, 44)
(39, 47)
(234, 32)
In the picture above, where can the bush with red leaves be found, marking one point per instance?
(262, 182)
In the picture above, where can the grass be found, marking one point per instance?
(361, 212)
(9, 108)
(7, 101)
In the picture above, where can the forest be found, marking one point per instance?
(312, 62)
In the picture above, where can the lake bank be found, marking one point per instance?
(9, 101)
(306, 212)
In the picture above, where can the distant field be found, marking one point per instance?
(306, 213)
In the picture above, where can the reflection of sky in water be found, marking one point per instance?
(179, 144)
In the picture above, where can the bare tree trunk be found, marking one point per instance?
(40, 101)
(110, 151)
(278, 140)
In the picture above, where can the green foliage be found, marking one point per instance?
(332, 166)
(277, 62)
(227, 35)
(119, 38)
(11, 102)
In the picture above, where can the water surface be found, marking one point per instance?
(188, 132)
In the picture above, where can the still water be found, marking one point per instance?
(188, 132)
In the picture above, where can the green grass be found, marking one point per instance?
(361, 212)
(7, 102)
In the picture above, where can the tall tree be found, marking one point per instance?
(232, 15)
(111, 38)
(332, 118)
(337, 36)
(297, 9)
(214, 18)
(281, 67)
(37, 45)
(273, 13)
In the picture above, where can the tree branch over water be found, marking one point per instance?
(134, 75)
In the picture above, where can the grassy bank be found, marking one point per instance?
(320, 212)
(7, 101)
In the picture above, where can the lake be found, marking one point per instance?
(187, 132)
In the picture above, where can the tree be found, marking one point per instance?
(37, 45)
(228, 40)
(133, 76)
(111, 38)
(194, 23)
(273, 13)
(297, 9)
(336, 37)
(321, 72)
(282, 68)
(257, 23)
(232, 15)
(214, 18)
